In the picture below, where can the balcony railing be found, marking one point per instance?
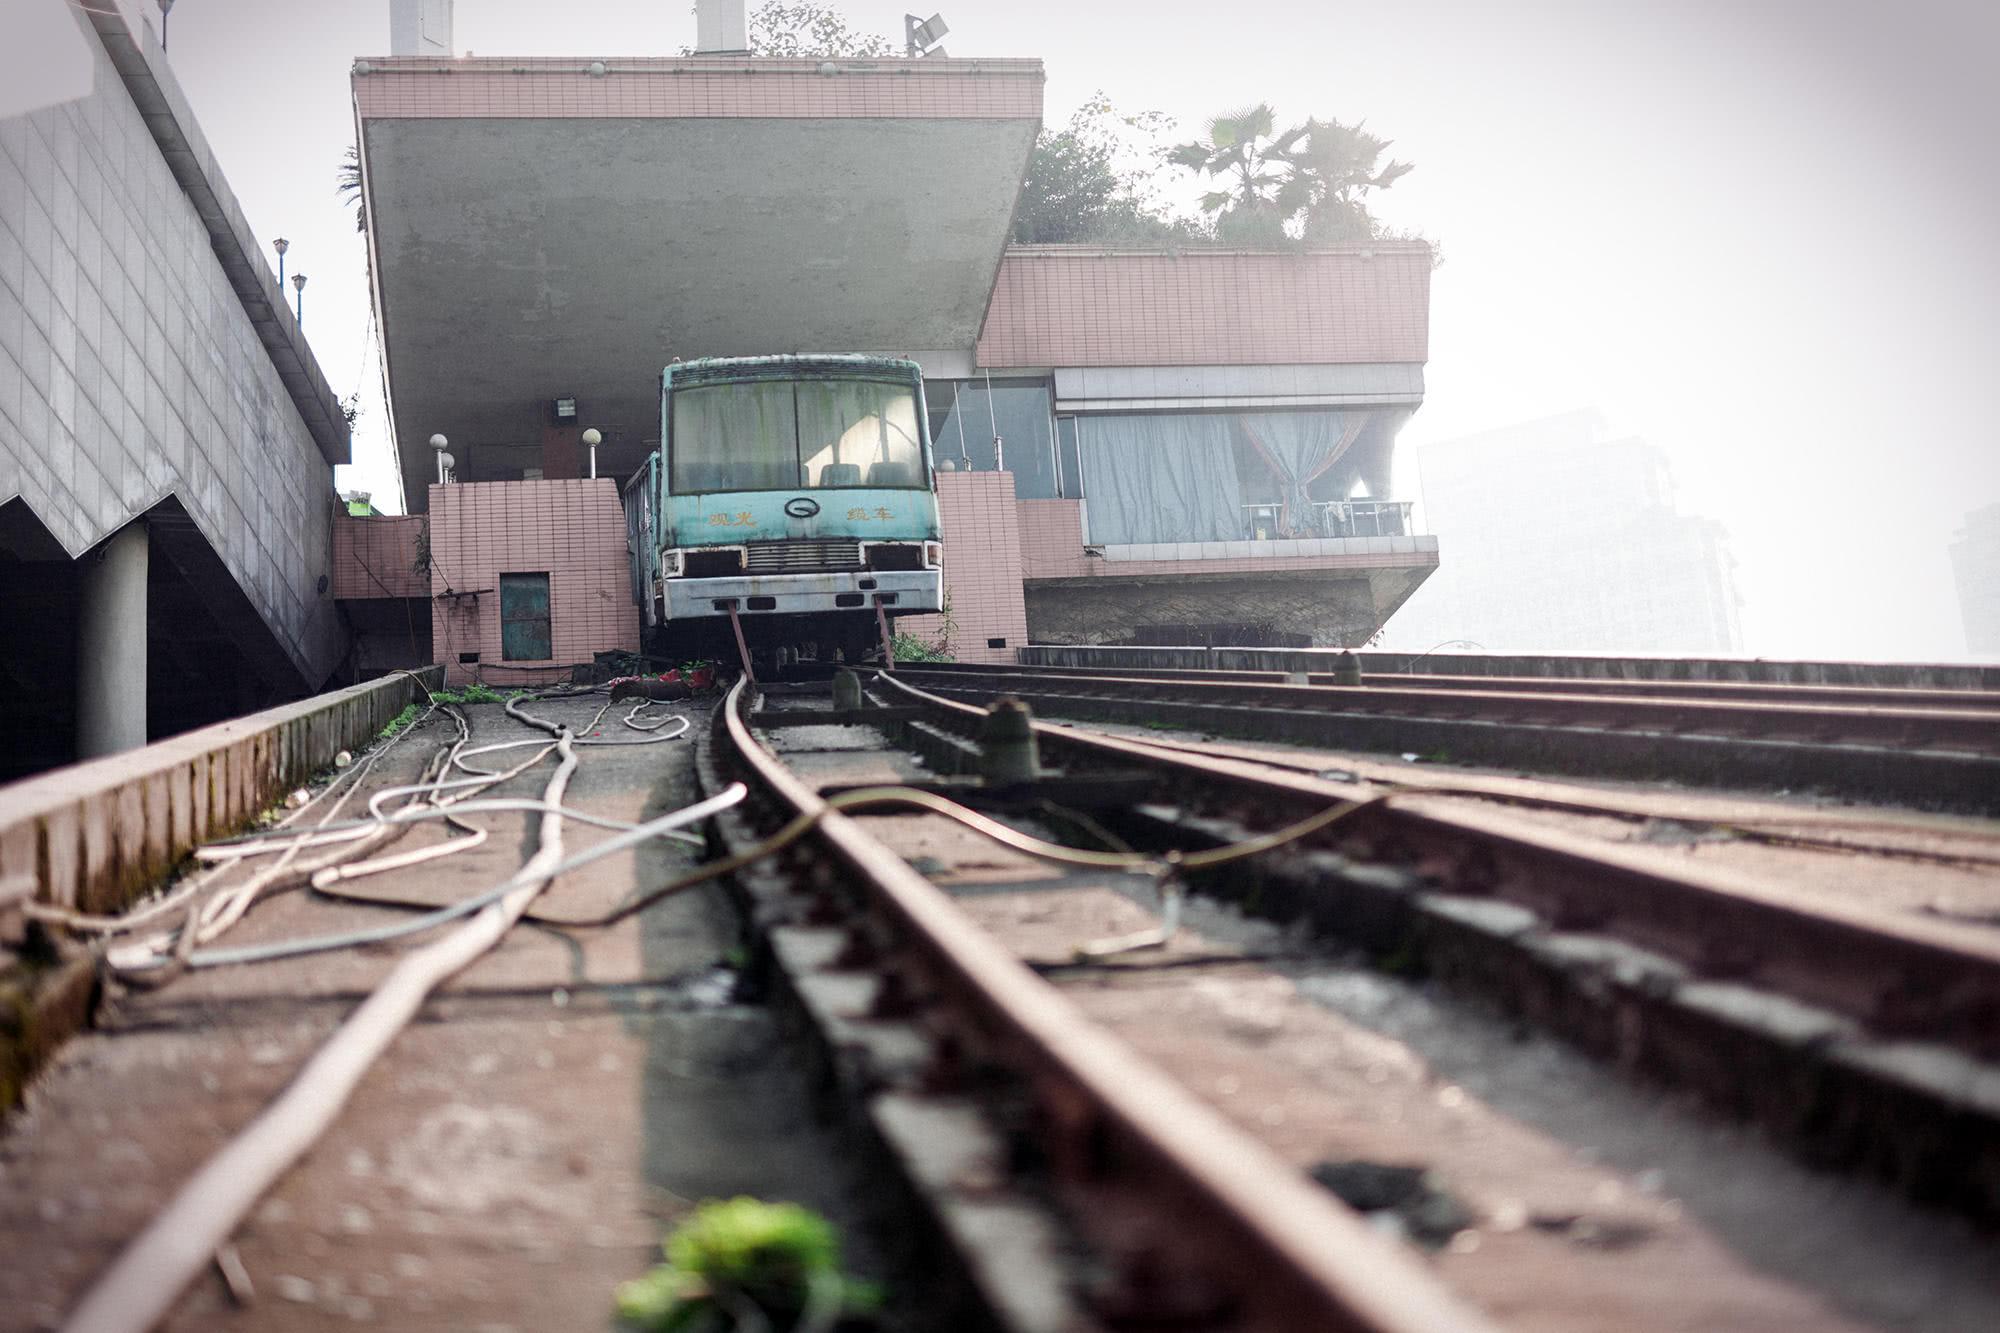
(1332, 518)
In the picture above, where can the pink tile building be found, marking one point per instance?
(572, 532)
(1143, 442)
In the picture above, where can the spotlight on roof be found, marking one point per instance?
(921, 37)
(564, 411)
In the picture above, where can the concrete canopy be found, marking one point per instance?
(540, 231)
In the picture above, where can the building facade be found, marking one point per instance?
(1975, 566)
(166, 440)
(1564, 540)
(1194, 444)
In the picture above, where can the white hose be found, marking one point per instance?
(142, 1285)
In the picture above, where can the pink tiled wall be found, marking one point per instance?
(1060, 305)
(574, 531)
(377, 557)
(1052, 539)
(982, 568)
(702, 86)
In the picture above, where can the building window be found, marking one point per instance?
(1174, 477)
(966, 415)
(1069, 470)
(524, 618)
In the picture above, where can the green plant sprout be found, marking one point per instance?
(745, 1263)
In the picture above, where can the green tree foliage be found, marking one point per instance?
(1092, 181)
(1308, 182)
(1240, 156)
(809, 29)
(347, 184)
(1329, 169)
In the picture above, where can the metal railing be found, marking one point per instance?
(1331, 518)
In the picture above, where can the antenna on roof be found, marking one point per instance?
(921, 36)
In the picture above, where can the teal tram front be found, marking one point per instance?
(793, 498)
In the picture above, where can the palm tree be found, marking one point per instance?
(1237, 152)
(1328, 170)
(347, 184)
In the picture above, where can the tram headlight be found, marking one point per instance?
(933, 555)
(671, 564)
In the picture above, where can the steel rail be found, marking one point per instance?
(1948, 758)
(1894, 971)
(1880, 1021)
(1750, 692)
(1123, 1141)
(1971, 730)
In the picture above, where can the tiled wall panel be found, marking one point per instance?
(378, 556)
(982, 569)
(1080, 306)
(129, 370)
(572, 530)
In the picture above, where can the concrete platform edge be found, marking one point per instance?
(95, 834)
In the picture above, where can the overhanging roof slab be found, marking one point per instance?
(541, 228)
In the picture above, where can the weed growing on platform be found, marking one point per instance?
(910, 648)
(401, 722)
(478, 692)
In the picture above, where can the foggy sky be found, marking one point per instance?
(1758, 234)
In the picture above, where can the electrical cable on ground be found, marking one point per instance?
(148, 1276)
(143, 1283)
(221, 912)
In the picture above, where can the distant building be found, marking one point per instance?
(1975, 564)
(1562, 540)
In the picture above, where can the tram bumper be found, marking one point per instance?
(899, 592)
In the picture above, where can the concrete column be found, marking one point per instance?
(111, 646)
(719, 26)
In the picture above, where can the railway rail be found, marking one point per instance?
(1731, 691)
(1919, 753)
(1880, 1021)
(1013, 971)
(1193, 1221)
(1872, 1032)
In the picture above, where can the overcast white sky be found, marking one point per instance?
(1759, 233)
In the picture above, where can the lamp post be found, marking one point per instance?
(593, 437)
(299, 286)
(438, 445)
(281, 245)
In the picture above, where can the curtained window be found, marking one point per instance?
(1214, 476)
(1168, 478)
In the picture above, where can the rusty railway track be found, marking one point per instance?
(1860, 1036)
(1857, 1037)
(1170, 1217)
(1726, 691)
(1917, 753)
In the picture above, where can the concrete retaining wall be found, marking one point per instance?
(92, 836)
(1880, 675)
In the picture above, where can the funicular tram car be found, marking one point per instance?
(792, 501)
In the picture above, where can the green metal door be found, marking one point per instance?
(524, 618)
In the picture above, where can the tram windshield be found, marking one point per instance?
(768, 435)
